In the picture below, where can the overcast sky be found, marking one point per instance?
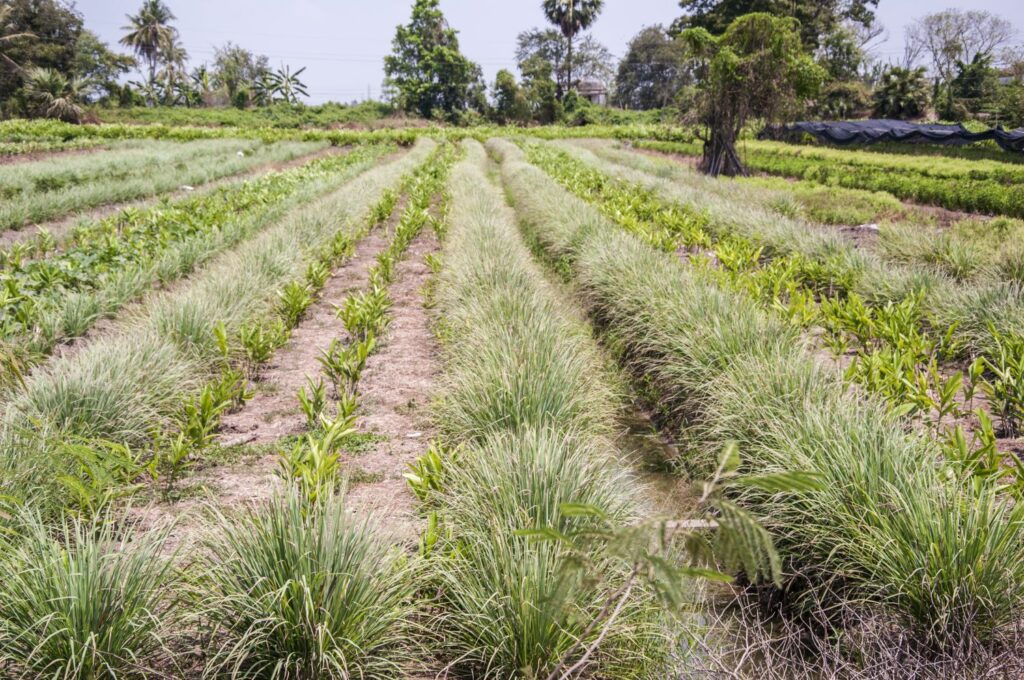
(343, 44)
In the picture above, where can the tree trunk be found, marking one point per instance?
(152, 82)
(568, 68)
(720, 156)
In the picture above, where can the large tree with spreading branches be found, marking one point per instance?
(756, 69)
(426, 71)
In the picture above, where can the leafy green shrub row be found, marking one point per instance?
(44, 190)
(276, 116)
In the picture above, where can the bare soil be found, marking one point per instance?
(273, 413)
(396, 389)
(60, 228)
(395, 392)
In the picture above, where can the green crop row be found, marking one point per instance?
(905, 324)
(25, 130)
(43, 190)
(109, 262)
(289, 554)
(951, 184)
(295, 585)
(124, 383)
(14, 147)
(973, 248)
(886, 528)
(528, 402)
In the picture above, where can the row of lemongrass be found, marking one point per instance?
(529, 403)
(130, 381)
(885, 530)
(972, 308)
(296, 587)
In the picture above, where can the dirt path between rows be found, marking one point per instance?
(273, 413)
(61, 227)
(394, 421)
(396, 391)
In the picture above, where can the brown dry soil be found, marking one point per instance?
(61, 227)
(395, 391)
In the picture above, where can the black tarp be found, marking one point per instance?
(872, 131)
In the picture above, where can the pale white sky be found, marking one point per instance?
(343, 42)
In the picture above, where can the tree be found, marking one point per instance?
(151, 36)
(510, 105)
(901, 93)
(426, 71)
(840, 54)
(203, 85)
(37, 33)
(9, 34)
(977, 81)
(590, 59)
(541, 91)
(652, 72)
(285, 84)
(843, 99)
(756, 68)
(817, 18)
(955, 35)
(1011, 105)
(235, 68)
(96, 64)
(54, 96)
(572, 17)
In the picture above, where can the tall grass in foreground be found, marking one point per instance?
(886, 530)
(300, 590)
(125, 383)
(79, 601)
(527, 394)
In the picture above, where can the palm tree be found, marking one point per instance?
(151, 35)
(54, 95)
(287, 84)
(7, 38)
(174, 58)
(202, 84)
(571, 17)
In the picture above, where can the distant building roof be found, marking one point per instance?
(591, 87)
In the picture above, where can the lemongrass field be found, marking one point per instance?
(505, 403)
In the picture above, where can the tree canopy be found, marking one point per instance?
(236, 68)
(152, 37)
(817, 18)
(426, 71)
(756, 68)
(589, 60)
(46, 31)
(901, 93)
(652, 72)
(955, 36)
(571, 17)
